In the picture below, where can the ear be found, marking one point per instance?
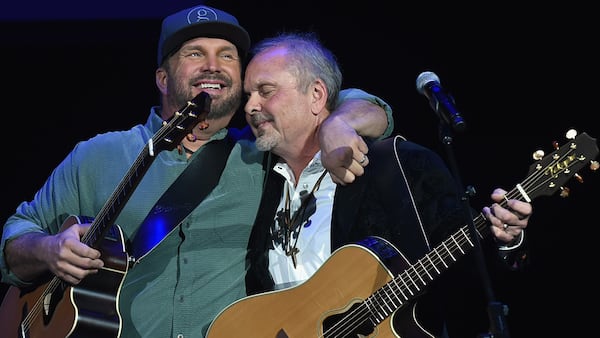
(161, 79)
(319, 97)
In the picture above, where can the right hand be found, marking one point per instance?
(342, 149)
(68, 258)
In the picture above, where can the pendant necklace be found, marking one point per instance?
(289, 226)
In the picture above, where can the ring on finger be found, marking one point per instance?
(505, 226)
(364, 159)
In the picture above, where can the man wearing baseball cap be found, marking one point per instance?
(178, 286)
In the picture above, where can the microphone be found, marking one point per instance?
(428, 84)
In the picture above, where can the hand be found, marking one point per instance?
(68, 258)
(507, 223)
(343, 151)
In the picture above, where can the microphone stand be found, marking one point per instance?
(496, 310)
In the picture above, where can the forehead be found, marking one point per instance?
(271, 59)
(208, 43)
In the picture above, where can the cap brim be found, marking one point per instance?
(221, 30)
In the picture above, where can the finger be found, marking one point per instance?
(75, 276)
(521, 209)
(505, 236)
(361, 145)
(338, 158)
(505, 215)
(73, 270)
(364, 161)
(503, 222)
(343, 179)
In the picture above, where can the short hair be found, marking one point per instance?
(309, 60)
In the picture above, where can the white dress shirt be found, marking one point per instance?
(314, 243)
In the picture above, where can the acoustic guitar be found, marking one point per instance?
(90, 309)
(364, 287)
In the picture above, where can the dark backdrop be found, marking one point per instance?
(522, 76)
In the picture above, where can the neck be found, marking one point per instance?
(300, 161)
(298, 154)
(202, 132)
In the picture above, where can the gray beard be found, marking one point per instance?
(267, 142)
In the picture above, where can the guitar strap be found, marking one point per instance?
(189, 189)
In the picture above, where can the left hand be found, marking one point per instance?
(342, 151)
(507, 223)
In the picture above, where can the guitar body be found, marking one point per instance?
(369, 289)
(315, 307)
(57, 310)
(91, 308)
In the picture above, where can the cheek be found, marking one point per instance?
(235, 72)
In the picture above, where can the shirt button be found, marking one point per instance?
(185, 260)
(181, 299)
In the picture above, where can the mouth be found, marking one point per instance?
(204, 85)
(260, 122)
(212, 88)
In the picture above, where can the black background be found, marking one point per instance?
(522, 76)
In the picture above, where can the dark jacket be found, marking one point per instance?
(406, 196)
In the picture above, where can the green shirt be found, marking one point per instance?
(198, 269)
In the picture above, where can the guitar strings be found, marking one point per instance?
(91, 237)
(38, 307)
(429, 265)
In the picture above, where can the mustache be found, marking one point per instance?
(259, 118)
(212, 77)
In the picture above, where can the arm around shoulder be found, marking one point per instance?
(367, 114)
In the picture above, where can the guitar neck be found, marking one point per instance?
(166, 138)
(545, 177)
(409, 284)
(114, 205)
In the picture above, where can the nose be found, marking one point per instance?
(211, 64)
(252, 105)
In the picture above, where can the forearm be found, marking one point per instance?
(366, 118)
(24, 256)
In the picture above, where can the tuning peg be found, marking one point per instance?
(594, 165)
(564, 192)
(571, 134)
(538, 155)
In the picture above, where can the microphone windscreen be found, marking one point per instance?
(424, 78)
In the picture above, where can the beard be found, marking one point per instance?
(266, 138)
(267, 141)
(225, 106)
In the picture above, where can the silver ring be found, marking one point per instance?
(505, 226)
(363, 159)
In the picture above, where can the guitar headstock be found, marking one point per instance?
(550, 172)
(182, 122)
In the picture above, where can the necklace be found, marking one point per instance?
(188, 151)
(288, 227)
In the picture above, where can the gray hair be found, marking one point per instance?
(308, 60)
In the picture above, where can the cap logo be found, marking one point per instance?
(201, 14)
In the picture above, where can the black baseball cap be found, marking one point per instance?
(200, 21)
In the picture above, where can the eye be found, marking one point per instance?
(229, 56)
(266, 91)
(196, 54)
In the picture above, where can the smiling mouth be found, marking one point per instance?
(210, 86)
